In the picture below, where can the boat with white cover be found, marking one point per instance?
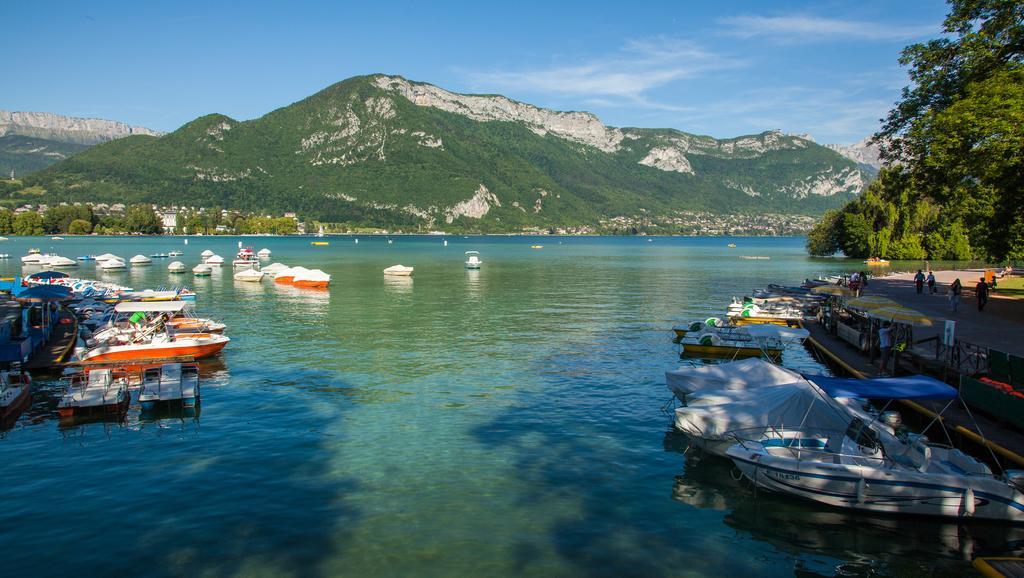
(169, 385)
(214, 261)
(106, 257)
(112, 265)
(202, 270)
(32, 258)
(273, 268)
(59, 262)
(263, 253)
(176, 267)
(249, 275)
(313, 279)
(866, 468)
(473, 260)
(140, 260)
(287, 275)
(399, 271)
(206, 254)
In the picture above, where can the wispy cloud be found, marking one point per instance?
(799, 28)
(625, 76)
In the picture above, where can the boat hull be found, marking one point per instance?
(284, 279)
(170, 350)
(311, 284)
(878, 490)
(727, 351)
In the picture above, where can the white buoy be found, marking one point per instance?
(446, 242)
(186, 241)
(967, 503)
(862, 491)
(357, 241)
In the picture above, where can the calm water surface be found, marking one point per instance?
(496, 422)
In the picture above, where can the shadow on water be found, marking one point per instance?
(237, 496)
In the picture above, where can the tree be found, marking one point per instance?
(855, 235)
(143, 219)
(6, 221)
(80, 227)
(28, 223)
(823, 240)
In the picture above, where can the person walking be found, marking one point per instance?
(885, 347)
(954, 294)
(919, 281)
(981, 291)
(931, 282)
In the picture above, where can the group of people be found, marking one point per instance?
(981, 290)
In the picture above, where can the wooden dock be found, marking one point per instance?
(60, 345)
(1005, 442)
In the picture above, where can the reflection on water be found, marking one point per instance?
(398, 285)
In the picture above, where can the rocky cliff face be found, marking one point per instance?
(864, 152)
(87, 131)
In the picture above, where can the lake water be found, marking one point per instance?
(505, 421)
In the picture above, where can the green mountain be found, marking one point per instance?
(384, 151)
(24, 154)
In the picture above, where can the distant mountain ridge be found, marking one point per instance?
(69, 129)
(385, 151)
(30, 141)
(863, 151)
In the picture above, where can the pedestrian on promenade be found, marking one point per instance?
(863, 279)
(919, 281)
(884, 346)
(931, 282)
(981, 290)
(954, 294)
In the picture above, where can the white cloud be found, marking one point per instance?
(797, 29)
(624, 76)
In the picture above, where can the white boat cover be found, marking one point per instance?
(311, 275)
(274, 268)
(249, 275)
(206, 253)
(176, 266)
(107, 257)
(398, 270)
(770, 331)
(150, 306)
(743, 374)
(141, 259)
(710, 414)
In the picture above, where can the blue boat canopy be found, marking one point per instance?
(44, 294)
(909, 387)
(48, 275)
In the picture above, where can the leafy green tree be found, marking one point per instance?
(143, 219)
(6, 221)
(80, 227)
(28, 223)
(823, 240)
(855, 235)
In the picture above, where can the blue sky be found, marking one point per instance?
(826, 68)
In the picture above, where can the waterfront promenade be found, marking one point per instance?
(1000, 326)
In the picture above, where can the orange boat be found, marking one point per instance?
(314, 279)
(288, 275)
(152, 342)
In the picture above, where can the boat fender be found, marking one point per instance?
(862, 491)
(926, 455)
(967, 503)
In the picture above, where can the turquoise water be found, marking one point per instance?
(497, 422)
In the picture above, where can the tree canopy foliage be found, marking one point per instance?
(954, 186)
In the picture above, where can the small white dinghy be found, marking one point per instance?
(214, 260)
(473, 260)
(263, 253)
(250, 275)
(399, 271)
(202, 270)
(176, 267)
(140, 260)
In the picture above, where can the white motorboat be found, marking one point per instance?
(250, 275)
(61, 262)
(273, 268)
(175, 254)
(206, 254)
(32, 258)
(112, 265)
(473, 260)
(245, 258)
(263, 253)
(106, 257)
(214, 260)
(169, 385)
(874, 469)
(202, 270)
(14, 393)
(176, 267)
(140, 260)
(399, 271)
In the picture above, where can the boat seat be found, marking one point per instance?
(960, 463)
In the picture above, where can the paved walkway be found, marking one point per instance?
(1000, 326)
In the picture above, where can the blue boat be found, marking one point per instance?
(87, 258)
